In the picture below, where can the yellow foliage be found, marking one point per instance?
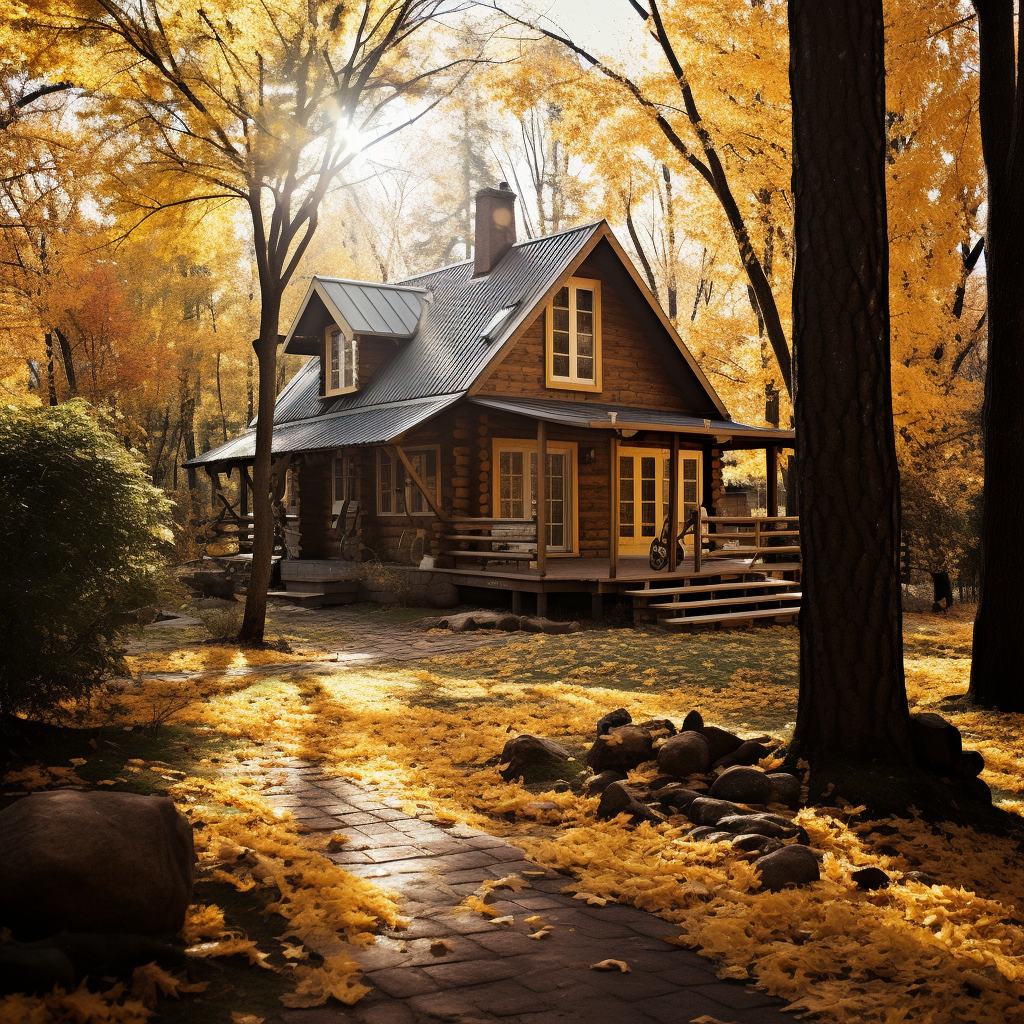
(78, 1007)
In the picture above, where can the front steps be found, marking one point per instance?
(317, 583)
(739, 599)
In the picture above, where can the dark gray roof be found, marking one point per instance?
(596, 415)
(338, 430)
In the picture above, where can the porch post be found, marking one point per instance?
(673, 503)
(771, 464)
(541, 496)
(613, 515)
(243, 491)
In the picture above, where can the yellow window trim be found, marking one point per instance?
(328, 391)
(568, 383)
(527, 447)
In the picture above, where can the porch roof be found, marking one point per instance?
(594, 416)
(366, 425)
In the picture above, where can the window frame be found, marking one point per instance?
(572, 382)
(351, 345)
(394, 491)
(348, 458)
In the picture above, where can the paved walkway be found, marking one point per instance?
(489, 972)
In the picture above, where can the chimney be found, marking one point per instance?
(495, 227)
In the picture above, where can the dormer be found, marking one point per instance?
(353, 327)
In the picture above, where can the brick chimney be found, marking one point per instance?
(495, 227)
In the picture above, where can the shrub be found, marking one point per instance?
(80, 532)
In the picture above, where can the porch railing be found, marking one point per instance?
(489, 540)
(754, 538)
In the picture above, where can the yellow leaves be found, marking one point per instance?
(36, 777)
(474, 903)
(233, 945)
(592, 900)
(337, 978)
(245, 1018)
(150, 980)
(611, 965)
(78, 1007)
(202, 921)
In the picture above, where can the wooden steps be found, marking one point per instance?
(732, 602)
(318, 593)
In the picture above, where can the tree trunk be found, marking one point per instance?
(51, 381)
(186, 418)
(68, 359)
(852, 704)
(254, 619)
(998, 659)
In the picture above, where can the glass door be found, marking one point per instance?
(517, 491)
(644, 495)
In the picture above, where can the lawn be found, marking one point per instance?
(947, 933)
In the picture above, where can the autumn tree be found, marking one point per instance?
(265, 106)
(852, 702)
(998, 658)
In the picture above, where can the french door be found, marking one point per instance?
(644, 495)
(517, 490)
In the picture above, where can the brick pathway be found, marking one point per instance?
(489, 972)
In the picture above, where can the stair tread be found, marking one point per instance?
(729, 617)
(728, 602)
(702, 587)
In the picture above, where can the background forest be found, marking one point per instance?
(116, 290)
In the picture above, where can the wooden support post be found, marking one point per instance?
(596, 606)
(243, 490)
(517, 602)
(697, 539)
(673, 503)
(542, 502)
(772, 468)
(613, 514)
(542, 605)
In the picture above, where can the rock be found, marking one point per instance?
(34, 972)
(871, 878)
(700, 831)
(769, 825)
(785, 789)
(211, 584)
(522, 753)
(622, 747)
(659, 727)
(535, 624)
(706, 810)
(94, 862)
(684, 754)
(94, 956)
(792, 865)
(599, 783)
(675, 798)
(751, 842)
(540, 807)
(971, 763)
(936, 743)
(720, 743)
(620, 716)
(621, 798)
(693, 722)
(438, 592)
(742, 784)
(749, 752)
(717, 837)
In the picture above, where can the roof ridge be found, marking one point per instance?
(367, 284)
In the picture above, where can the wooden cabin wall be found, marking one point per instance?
(633, 373)
(315, 494)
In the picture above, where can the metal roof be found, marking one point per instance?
(338, 430)
(596, 415)
(370, 308)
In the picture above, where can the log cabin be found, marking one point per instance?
(525, 421)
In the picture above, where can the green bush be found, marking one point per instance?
(81, 528)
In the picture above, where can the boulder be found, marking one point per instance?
(621, 798)
(742, 784)
(752, 843)
(674, 798)
(659, 727)
(720, 743)
(684, 754)
(870, 879)
(623, 747)
(620, 716)
(599, 783)
(116, 954)
(700, 831)
(792, 865)
(785, 789)
(706, 810)
(936, 743)
(693, 722)
(770, 825)
(94, 862)
(749, 752)
(971, 763)
(536, 624)
(34, 972)
(522, 753)
(211, 584)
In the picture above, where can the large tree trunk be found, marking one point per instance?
(853, 703)
(998, 663)
(254, 619)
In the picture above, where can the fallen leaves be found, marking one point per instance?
(611, 965)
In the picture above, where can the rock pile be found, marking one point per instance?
(463, 622)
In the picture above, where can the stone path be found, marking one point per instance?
(487, 972)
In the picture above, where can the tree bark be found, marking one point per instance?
(998, 658)
(254, 619)
(852, 703)
(51, 380)
(68, 359)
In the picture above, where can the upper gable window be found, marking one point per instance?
(340, 375)
(573, 348)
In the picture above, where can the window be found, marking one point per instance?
(340, 373)
(397, 491)
(574, 336)
(346, 483)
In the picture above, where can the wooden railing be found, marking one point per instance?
(489, 540)
(744, 537)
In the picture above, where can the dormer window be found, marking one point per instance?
(341, 368)
(573, 348)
